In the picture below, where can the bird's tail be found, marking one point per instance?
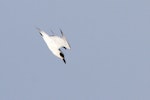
(42, 33)
(39, 31)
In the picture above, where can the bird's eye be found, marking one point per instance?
(64, 47)
(62, 55)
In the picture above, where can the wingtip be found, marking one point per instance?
(52, 32)
(61, 32)
(60, 29)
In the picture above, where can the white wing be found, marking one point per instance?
(60, 42)
(66, 44)
(55, 41)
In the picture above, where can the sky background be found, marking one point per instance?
(109, 59)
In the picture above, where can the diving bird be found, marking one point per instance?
(55, 43)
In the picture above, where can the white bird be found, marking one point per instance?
(55, 43)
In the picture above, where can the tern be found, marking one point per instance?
(55, 43)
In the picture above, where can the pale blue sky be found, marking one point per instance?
(109, 59)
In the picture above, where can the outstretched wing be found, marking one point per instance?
(61, 41)
(67, 45)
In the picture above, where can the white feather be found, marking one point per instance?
(54, 43)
